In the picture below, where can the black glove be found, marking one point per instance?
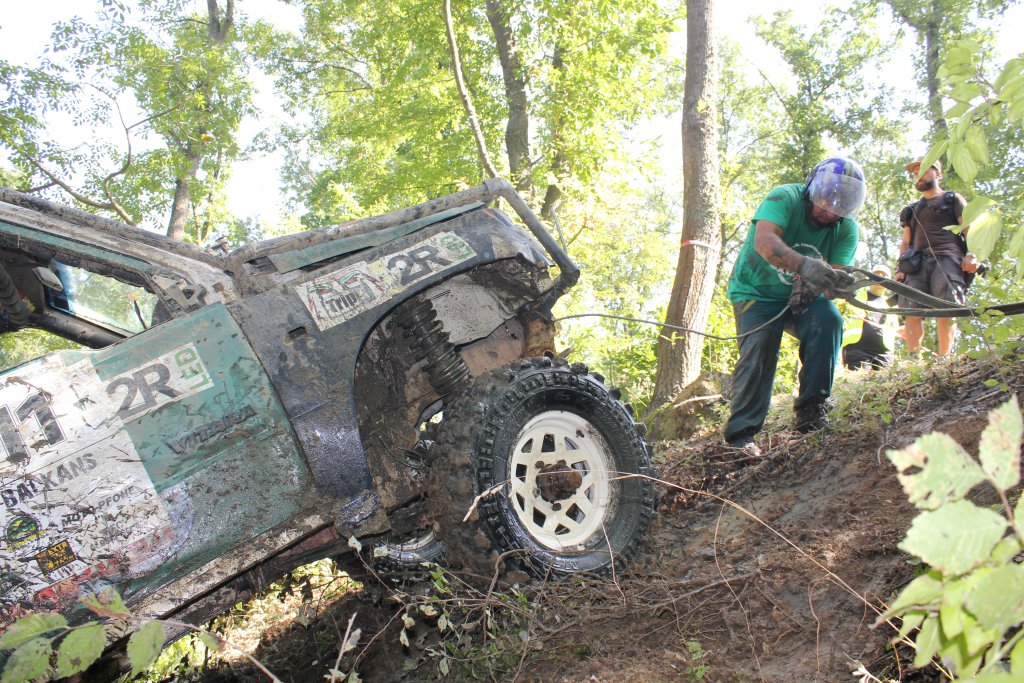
(821, 275)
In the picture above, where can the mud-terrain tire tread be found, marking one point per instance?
(463, 454)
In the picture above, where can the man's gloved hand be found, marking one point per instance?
(814, 277)
(824, 277)
(821, 275)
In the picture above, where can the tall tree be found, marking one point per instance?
(830, 98)
(388, 127)
(180, 76)
(679, 355)
(513, 74)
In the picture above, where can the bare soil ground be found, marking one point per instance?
(782, 583)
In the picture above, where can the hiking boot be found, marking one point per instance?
(745, 445)
(811, 418)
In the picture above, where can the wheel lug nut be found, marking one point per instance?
(556, 506)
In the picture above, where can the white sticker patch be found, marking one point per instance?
(171, 377)
(76, 501)
(342, 295)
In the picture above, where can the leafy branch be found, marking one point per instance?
(968, 609)
(45, 646)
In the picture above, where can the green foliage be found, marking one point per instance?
(969, 607)
(832, 99)
(44, 646)
(80, 648)
(156, 60)
(982, 108)
(144, 646)
(624, 247)
(387, 127)
(479, 639)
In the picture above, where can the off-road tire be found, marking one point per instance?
(408, 554)
(484, 443)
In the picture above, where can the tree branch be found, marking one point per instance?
(108, 206)
(481, 145)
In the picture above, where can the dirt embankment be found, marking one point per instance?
(779, 584)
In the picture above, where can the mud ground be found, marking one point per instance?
(782, 583)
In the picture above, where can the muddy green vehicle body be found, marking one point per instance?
(246, 411)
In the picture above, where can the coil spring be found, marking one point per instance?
(446, 371)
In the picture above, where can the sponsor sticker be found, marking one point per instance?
(340, 296)
(73, 491)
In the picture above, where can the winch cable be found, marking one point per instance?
(674, 328)
(933, 307)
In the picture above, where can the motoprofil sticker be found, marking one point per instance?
(334, 298)
(76, 502)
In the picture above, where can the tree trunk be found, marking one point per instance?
(217, 29)
(927, 20)
(467, 101)
(182, 197)
(517, 131)
(679, 354)
(559, 163)
(932, 43)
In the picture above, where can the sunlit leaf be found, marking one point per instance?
(946, 473)
(910, 621)
(1015, 110)
(210, 641)
(924, 591)
(80, 649)
(957, 110)
(1017, 659)
(984, 233)
(144, 646)
(997, 600)
(977, 142)
(976, 207)
(933, 155)
(1012, 69)
(28, 662)
(954, 538)
(999, 450)
(952, 616)
(963, 163)
(1016, 249)
(928, 641)
(27, 628)
(995, 677)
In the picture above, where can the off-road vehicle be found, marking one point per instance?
(218, 418)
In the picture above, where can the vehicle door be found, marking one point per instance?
(135, 463)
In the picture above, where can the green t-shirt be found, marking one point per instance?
(754, 278)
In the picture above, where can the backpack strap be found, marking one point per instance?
(948, 202)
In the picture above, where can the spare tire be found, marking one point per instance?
(563, 467)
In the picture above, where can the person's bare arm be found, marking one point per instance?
(904, 245)
(768, 243)
(970, 262)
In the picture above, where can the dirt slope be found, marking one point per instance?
(719, 594)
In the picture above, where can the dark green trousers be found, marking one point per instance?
(820, 331)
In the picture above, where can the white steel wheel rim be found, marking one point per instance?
(550, 438)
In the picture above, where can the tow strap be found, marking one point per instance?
(931, 307)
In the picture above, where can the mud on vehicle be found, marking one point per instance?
(220, 418)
